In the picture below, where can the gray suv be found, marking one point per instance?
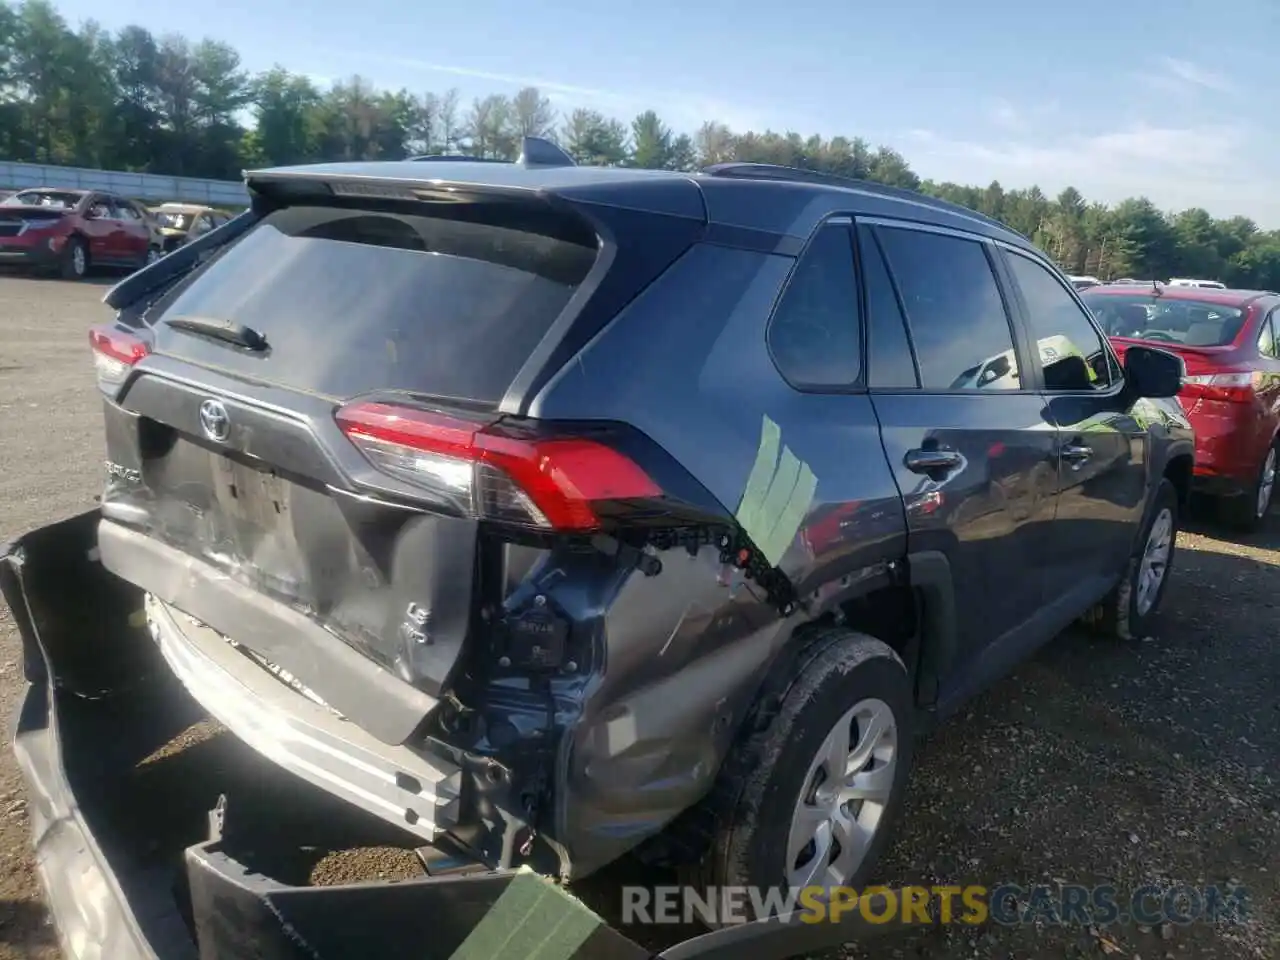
(552, 513)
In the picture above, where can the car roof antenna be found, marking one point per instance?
(540, 152)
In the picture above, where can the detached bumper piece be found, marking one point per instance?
(135, 867)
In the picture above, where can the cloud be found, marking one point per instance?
(1003, 113)
(685, 111)
(1184, 78)
(507, 79)
(1198, 76)
(1176, 167)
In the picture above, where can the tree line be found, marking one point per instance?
(135, 101)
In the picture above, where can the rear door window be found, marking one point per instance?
(814, 334)
(353, 301)
(957, 316)
(891, 365)
(1267, 338)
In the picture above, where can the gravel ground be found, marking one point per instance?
(1097, 762)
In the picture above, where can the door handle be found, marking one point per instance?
(931, 461)
(1075, 453)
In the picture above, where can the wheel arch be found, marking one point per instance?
(1178, 470)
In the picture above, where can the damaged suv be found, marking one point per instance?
(552, 513)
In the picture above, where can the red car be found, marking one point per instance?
(68, 231)
(1228, 340)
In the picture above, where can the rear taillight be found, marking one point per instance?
(477, 470)
(114, 354)
(1230, 387)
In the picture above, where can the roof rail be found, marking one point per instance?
(534, 152)
(776, 171)
(462, 158)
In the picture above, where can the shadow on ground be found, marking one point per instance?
(24, 923)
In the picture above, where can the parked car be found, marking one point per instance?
(570, 517)
(70, 231)
(1232, 394)
(1188, 282)
(1084, 283)
(180, 222)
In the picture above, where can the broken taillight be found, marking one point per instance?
(114, 354)
(548, 483)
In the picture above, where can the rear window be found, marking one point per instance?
(352, 301)
(1190, 323)
(58, 199)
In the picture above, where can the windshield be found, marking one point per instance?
(60, 199)
(1191, 323)
(176, 220)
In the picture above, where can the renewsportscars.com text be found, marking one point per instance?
(1007, 904)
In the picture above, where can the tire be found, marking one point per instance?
(75, 260)
(1248, 513)
(1128, 611)
(773, 768)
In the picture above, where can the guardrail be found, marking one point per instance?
(147, 187)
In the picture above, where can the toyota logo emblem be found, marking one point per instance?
(214, 420)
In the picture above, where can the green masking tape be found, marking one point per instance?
(779, 491)
(776, 542)
(534, 919)
(761, 474)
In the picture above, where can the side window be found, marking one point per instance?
(1072, 353)
(1267, 345)
(125, 211)
(814, 334)
(958, 322)
(100, 209)
(890, 365)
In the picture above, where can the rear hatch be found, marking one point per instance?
(315, 415)
(16, 220)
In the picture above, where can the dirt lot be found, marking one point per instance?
(1152, 762)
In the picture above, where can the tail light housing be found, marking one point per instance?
(478, 469)
(114, 355)
(1229, 387)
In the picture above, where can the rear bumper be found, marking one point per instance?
(34, 255)
(1226, 435)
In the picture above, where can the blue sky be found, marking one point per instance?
(1176, 100)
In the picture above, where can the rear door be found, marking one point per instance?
(135, 236)
(99, 225)
(1269, 381)
(1101, 438)
(971, 446)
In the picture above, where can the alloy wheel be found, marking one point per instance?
(1155, 561)
(846, 793)
(1266, 483)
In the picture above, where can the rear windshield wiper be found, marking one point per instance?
(225, 330)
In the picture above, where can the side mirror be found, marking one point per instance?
(1153, 373)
